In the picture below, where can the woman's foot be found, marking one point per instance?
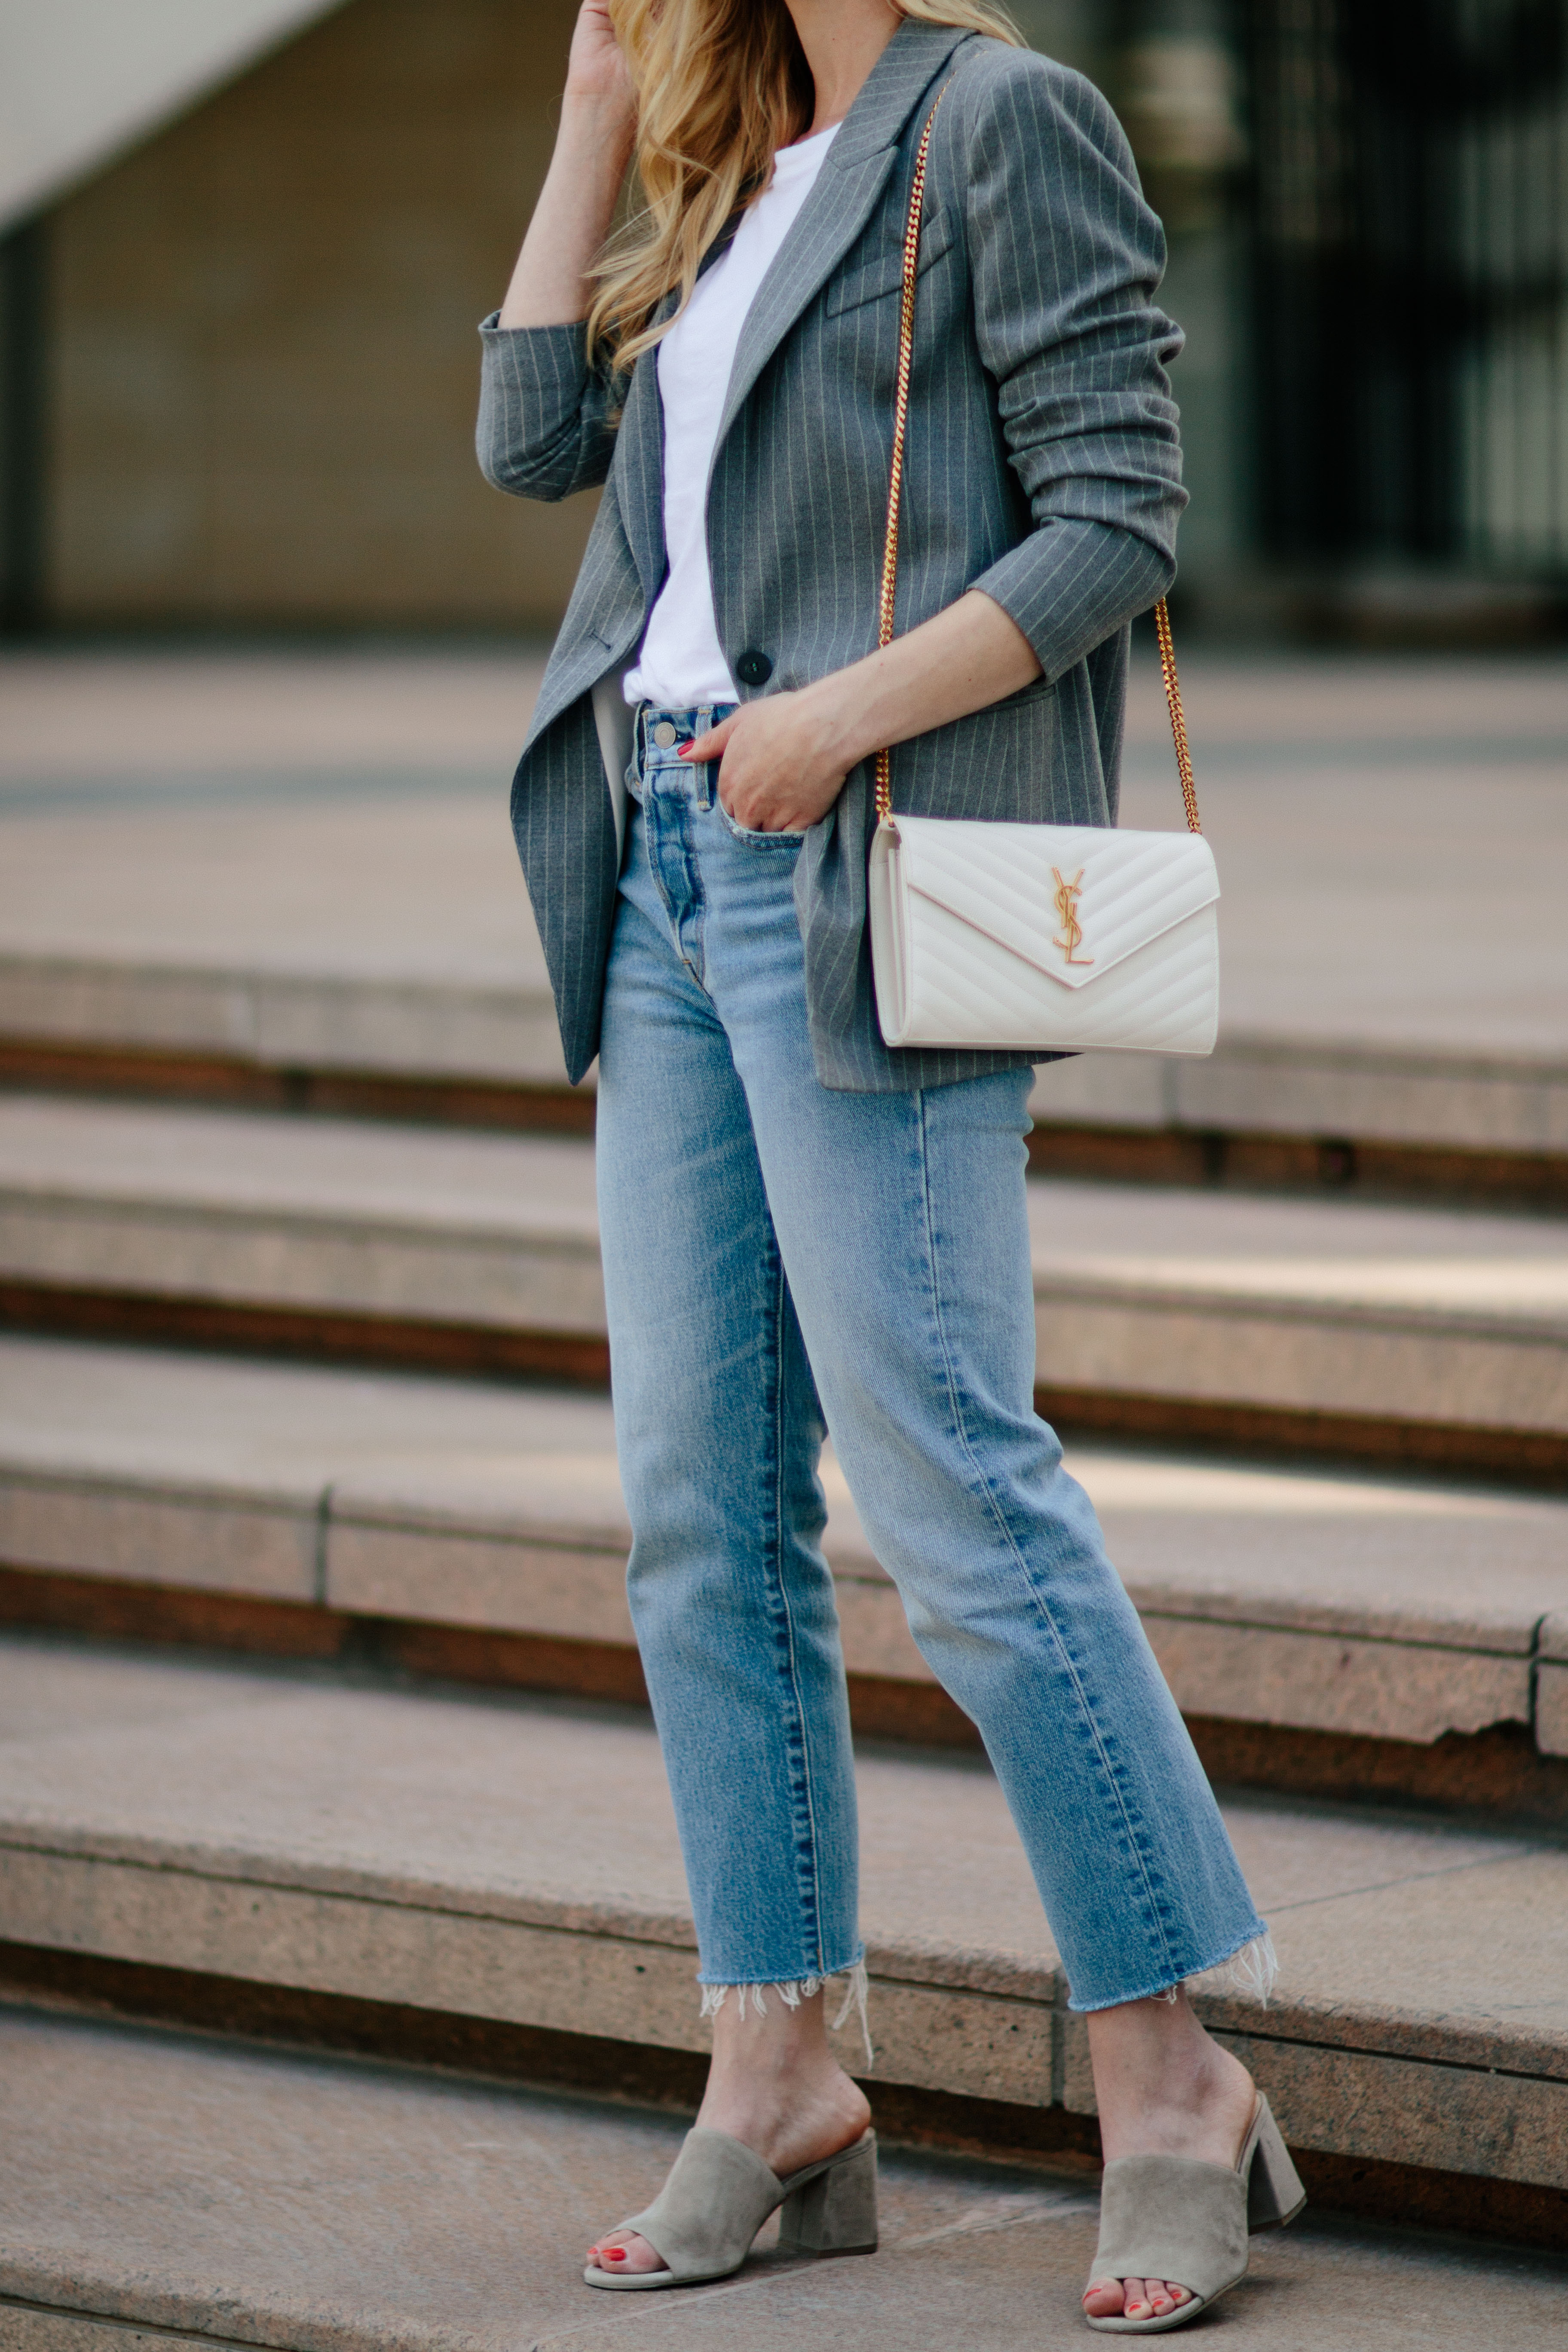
(1164, 2088)
(776, 2086)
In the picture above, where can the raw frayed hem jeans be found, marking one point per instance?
(778, 1255)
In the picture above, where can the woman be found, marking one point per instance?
(800, 1226)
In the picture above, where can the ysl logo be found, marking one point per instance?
(1067, 896)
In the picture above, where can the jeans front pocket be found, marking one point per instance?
(744, 833)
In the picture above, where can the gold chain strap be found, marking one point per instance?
(1178, 716)
(896, 496)
(900, 429)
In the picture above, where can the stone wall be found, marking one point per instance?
(262, 353)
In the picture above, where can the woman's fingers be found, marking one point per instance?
(774, 778)
(712, 745)
(596, 66)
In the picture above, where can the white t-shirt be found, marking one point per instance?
(682, 663)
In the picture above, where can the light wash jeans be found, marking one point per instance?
(777, 1255)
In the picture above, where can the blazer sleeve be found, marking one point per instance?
(1066, 258)
(547, 417)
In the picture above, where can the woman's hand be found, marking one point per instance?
(781, 769)
(595, 68)
(785, 759)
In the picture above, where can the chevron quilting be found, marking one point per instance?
(1003, 879)
(964, 916)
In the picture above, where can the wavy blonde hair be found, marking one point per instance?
(720, 84)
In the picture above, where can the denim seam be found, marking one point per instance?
(659, 828)
(797, 1744)
(698, 912)
(999, 1519)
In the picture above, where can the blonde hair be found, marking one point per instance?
(720, 84)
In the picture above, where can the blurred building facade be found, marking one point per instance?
(239, 357)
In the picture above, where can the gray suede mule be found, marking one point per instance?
(717, 2196)
(1166, 2217)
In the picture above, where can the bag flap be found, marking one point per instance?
(1070, 900)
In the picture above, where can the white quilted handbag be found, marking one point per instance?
(1052, 938)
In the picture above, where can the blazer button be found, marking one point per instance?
(753, 668)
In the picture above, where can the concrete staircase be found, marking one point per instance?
(366, 1858)
(1403, 1335)
(303, 1364)
(325, 912)
(1325, 1631)
(426, 1873)
(301, 2201)
(1267, 1111)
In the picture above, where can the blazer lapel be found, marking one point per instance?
(640, 486)
(639, 473)
(853, 175)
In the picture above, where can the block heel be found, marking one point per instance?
(836, 2212)
(1274, 2191)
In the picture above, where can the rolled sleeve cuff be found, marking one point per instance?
(549, 365)
(1070, 584)
(531, 390)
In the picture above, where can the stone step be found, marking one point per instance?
(1400, 1334)
(444, 2211)
(1327, 1631)
(288, 878)
(1266, 1111)
(189, 1836)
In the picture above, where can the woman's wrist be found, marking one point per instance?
(594, 145)
(835, 707)
(594, 121)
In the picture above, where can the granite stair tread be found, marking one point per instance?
(446, 2215)
(485, 1015)
(1372, 1313)
(517, 1860)
(323, 880)
(1333, 1600)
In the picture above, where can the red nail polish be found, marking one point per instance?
(614, 2254)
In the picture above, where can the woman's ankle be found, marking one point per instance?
(1164, 2086)
(788, 2118)
(775, 2084)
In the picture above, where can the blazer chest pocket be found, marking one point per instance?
(868, 280)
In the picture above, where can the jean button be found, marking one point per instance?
(664, 734)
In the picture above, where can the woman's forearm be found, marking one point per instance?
(964, 659)
(551, 286)
(785, 758)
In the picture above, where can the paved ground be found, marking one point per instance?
(321, 2206)
(1393, 836)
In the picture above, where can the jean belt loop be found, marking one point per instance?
(708, 772)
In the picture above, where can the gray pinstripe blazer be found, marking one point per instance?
(1044, 468)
